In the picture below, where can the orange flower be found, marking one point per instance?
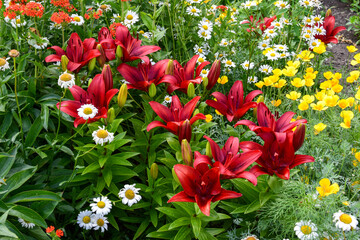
(59, 233)
(50, 229)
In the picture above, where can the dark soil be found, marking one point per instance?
(341, 11)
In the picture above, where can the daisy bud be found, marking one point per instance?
(14, 53)
(154, 171)
(191, 90)
(122, 95)
(110, 115)
(208, 150)
(186, 152)
(170, 68)
(101, 59)
(108, 78)
(119, 52)
(92, 64)
(152, 90)
(64, 62)
(205, 81)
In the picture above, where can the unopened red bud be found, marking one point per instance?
(186, 152)
(102, 58)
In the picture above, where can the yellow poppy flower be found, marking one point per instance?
(280, 83)
(297, 82)
(308, 99)
(306, 55)
(276, 103)
(326, 189)
(208, 118)
(343, 103)
(351, 49)
(293, 95)
(319, 127)
(303, 106)
(319, 106)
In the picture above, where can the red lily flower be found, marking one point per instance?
(329, 23)
(262, 24)
(183, 76)
(144, 75)
(76, 53)
(108, 46)
(91, 105)
(231, 163)
(233, 106)
(130, 46)
(202, 187)
(267, 122)
(278, 153)
(177, 118)
(214, 74)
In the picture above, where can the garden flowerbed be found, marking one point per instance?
(196, 119)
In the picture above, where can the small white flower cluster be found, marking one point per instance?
(42, 44)
(249, 4)
(26, 224)
(313, 26)
(205, 29)
(282, 4)
(310, 3)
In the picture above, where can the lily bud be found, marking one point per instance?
(185, 131)
(214, 74)
(299, 136)
(110, 115)
(152, 90)
(122, 95)
(102, 58)
(191, 90)
(328, 13)
(119, 52)
(92, 64)
(170, 68)
(175, 176)
(186, 152)
(64, 62)
(208, 150)
(89, 81)
(205, 81)
(108, 78)
(154, 171)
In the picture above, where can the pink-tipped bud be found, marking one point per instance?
(185, 131)
(214, 74)
(102, 58)
(108, 78)
(186, 153)
(298, 137)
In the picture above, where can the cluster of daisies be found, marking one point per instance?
(312, 26)
(101, 206)
(307, 230)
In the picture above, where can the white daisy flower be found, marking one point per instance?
(284, 54)
(66, 80)
(247, 65)
(307, 36)
(277, 24)
(264, 44)
(204, 34)
(272, 55)
(308, 21)
(87, 111)
(267, 69)
(224, 43)
(206, 26)
(193, 11)
(317, 19)
(319, 30)
(39, 45)
(270, 33)
(345, 221)
(282, 4)
(25, 223)
(99, 221)
(129, 194)
(102, 136)
(220, 55)
(84, 219)
(204, 73)
(101, 205)
(280, 47)
(131, 18)
(167, 99)
(306, 230)
(314, 43)
(252, 79)
(201, 59)
(194, 1)
(54, 26)
(252, 237)
(104, 7)
(4, 64)
(17, 22)
(200, 50)
(306, 3)
(77, 19)
(228, 63)
(285, 21)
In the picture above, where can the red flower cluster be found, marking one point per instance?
(60, 17)
(1, 3)
(91, 13)
(63, 4)
(261, 24)
(34, 9)
(113, 28)
(14, 10)
(58, 232)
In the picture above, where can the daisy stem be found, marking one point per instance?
(344, 235)
(58, 128)
(136, 102)
(17, 101)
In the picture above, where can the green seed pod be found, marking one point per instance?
(154, 171)
(92, 64)
(122, 96)
(110, 115)
(119, 52)
(64, 62)
(208, 150)
(205, 81)
(191, 90)
(152, 90)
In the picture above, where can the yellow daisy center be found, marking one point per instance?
(86, 219)
(167, 99)
(316, 19)
(265, 69)
(305, 229)
(193, 10)
(225, 43)
(65, 77)
(250, 238)
(200, 50)
(102, 133)
(204, 34)
(129, 17)
(77, 19)
(204, 71)
(101, 204)
(228, 62)
(100, 222)
(2, 62)
(282, 5)
(264, 45)
(345, 218)
(273, 54)
(103, 7)
(220, 55)
(308, 20)
(307, 36)
(88, 111)
(205, 27)
(129, 194)
(314, 44)
(307, 2)
(18, 21)
(201, 59)
(141, 32)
